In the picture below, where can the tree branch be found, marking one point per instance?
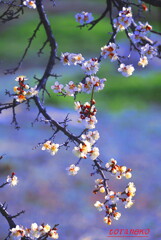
(53, 45)
(155, 3)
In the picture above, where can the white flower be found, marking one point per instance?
(94, 153)
(149, 51)
(90, 66)
(143, 61)
(90, 122)
(77, 106)
(100, 206)
(57, 87)
(70, 88)
(126, 70)
(18, 232)
(72, 170)
(75, 58)
(12, 180)
(53, 234)
(34, 227)
(71, 58)
(117, 215)
(46, 228)
(20, 78)
(126, 11)
(128, 175)
(112, 198)
(129, 202)
(20, 98)
(91, 82)
(54, 148)
(29, 4)
(107, 220)
(82, 150)
(91, 137)
(46, 146)
(32, 92)
(84, 17)
(123, 21)
(130, 189)
(109, 51)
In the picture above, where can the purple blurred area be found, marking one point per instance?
(49, 195)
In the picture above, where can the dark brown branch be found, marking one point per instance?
(43, 111)
(155, 3)
(53, 45)
(7, 216)
(93, 23)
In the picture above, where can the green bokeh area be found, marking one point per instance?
(139, 90)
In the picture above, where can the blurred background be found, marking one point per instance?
(129, 122)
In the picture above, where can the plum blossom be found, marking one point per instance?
(84, 17)
(90, 66)
(107, 220)
(29, 4)
(71, 58)
(117, 215)
(57, 87)
(112, 197)
(149, 51)
(100, 206)
(94, 153)
(51, 147)
(12, 180)
(143, 61)
(34, 232)
(91, 137)
(71, 88)
(109, 51)
(126, 70)
(82, 150)
(90, 122)
(140, 32)
(73, 170)
(93, 83)
(124, 20)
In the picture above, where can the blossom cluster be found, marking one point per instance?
(140, 32)
(87, 112)
(12, 180)
(84, 17)
(124, 20)
(29, 4)
(111, 200)
(90, 66)
(91, 83)
(34, 232)
(23, 90)
(110, 51)
(118, 171)
(85, 148)
(51, 147)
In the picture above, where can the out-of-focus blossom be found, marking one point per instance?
(149, 51)
(84, 17)
(73, 170)
(29, 4)
(12, 180)
(90, 66)
(126, 70)
(143, 61)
